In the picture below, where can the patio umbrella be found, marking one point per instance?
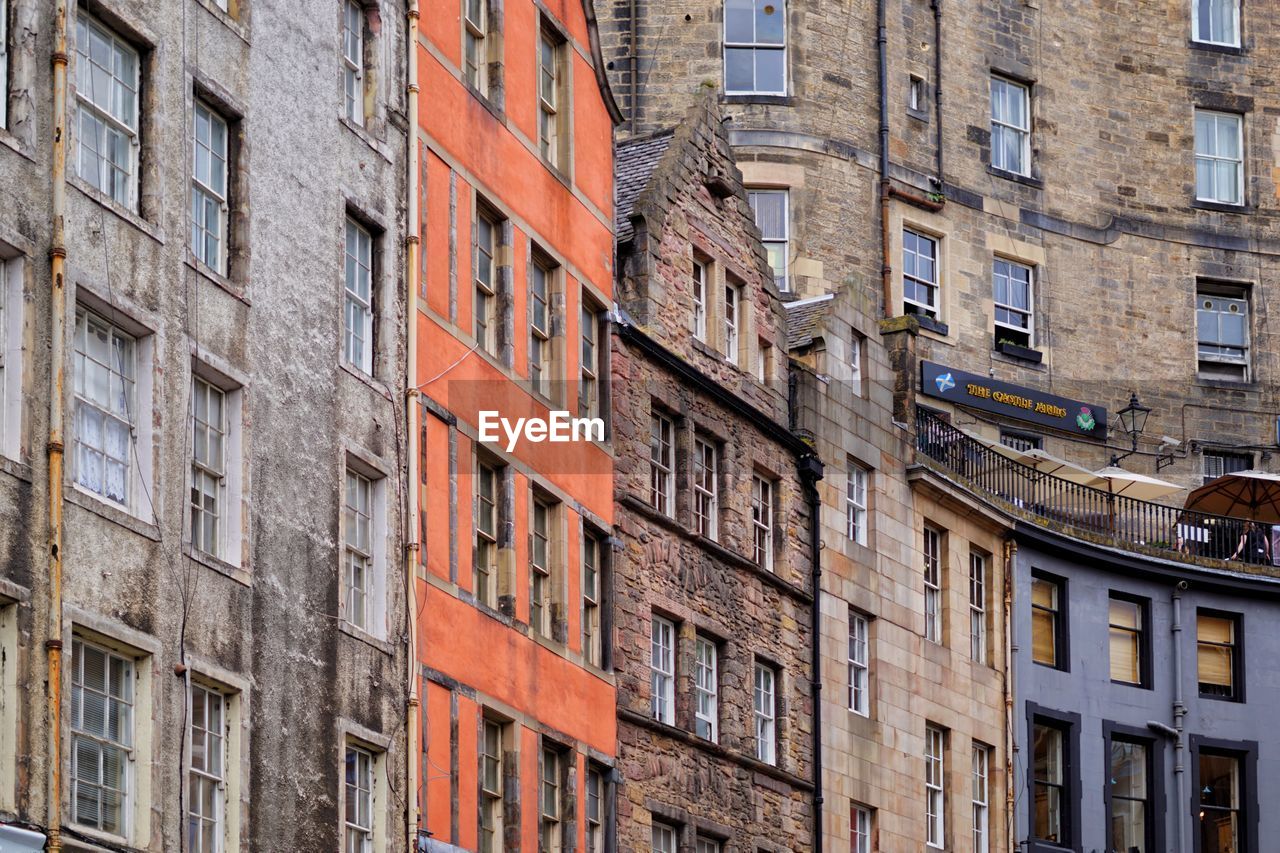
(1134, 485)
(1245, 494)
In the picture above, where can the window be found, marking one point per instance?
(106, 407)
(1219, 157)
(1128, 642)
(208, 467)
(932, 585)
(1221, 826)
(981, 798)
(488, 481)
(860, 820)
(1216, 22)
(706, 845)
(475, 44)
(206, 783)
(732, 319)
(209, 189)
(699, 284)
(1046, 622)
(595, 809)
(358, 279)
(1130, 797)
(540, 368)
(762, 521)
(1020, 441)
(705, 503)
(11, 310)
(855, 501)
(935, 785)
(540, 557)
(488, 235)
(706, 690)
(492, 773)
(661, 463)
(919, 274)
(550, 829)
(592, 551)
(978, 607)
(859, 669)
(1014, 316)
(107, 82)
(102, 734)
(1222, 333)
(357, 532)
(1220, 463)
(1218, 663)
(765, 710)
(4, 63)
(353, 61)
(1049, 784)
(915, 94)
(551, 118)
(764, 361)
(857, 347)
(664, 838)
(662, 663)
(755, 47)
(1010, 126)
(771, 211)
(359, 797)
(590, 401)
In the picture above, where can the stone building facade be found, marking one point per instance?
(713, 578)
(230, 608)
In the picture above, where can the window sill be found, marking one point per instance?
(237, 27)
(15, 468)
(236, 573)
(495, 109)
(1132, 684)
(1025, 180)
(929, 324)
(19, 147)
(1019, 352)
(77, 838)
(1220, 207)
(1215, 698)
(111, 205)
(918, 115)
(216, 278)
(378, 146)
(1226, 384)
(96, 505)
(1051, 666)
(366, 379)
(355, 633)
(757, 98)
(1211, 47)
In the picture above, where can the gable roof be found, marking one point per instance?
(633, 164)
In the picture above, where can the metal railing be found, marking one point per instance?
(1098, 514)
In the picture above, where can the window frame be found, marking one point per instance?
(664, 639)
(4, 64)
(206, 191)
(764, 710)
(596, 808)
(1237, 647)
(219, 778)
(780, 243)
(593, 543)
(763, 498)
(1198, 38)
(670, 834)
(859, 660)
(353, 61)
(1225, 458)
(662, 462)
(356, 305)
(1246, 755)
(592, 368)
(486, 311)
(352, 550)
(755, 46)
(706, 688)
(706, 486)
(1028, 331)
(933, 570)
(1156, 795)
(911, 305)
(857, 515)
(542, 577)
(699, 279)
(210, 471)
(981, 798)
(542, 368)
(491, 808)
(476, 32)
(1213, 159)
(1002, 125)
(861, 822)
(552, 770)
(979, 596)
(128, 747)
(1142, 634)
(368, 833)
(733, 325)
(487, 541)
(1068, 724)
(1061, 634)
(129, 127)
(935, 785)
(136, 417)
(857, 352)
(553, 117)
(1223, 295)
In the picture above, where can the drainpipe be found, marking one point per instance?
(412, 527)
(1179, 713)
(54, 446)
(1010, 819)
(811, 472)
(882, 61)
(939, 181)
(632, 38)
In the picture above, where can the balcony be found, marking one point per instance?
(1075, 510)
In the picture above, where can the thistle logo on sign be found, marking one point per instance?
(559, 427)
(1085, 419)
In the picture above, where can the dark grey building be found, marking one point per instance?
(1146, 694)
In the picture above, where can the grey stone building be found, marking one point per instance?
(223, 341)
(713, 578)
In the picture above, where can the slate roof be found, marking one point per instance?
(804, 320)
(634, 163)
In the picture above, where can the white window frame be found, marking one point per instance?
(981, 799)
(208, 189)
(485, 290)
(860, 817)
(359, 827)
(706, 489)
(915, 93)
(664, 838)
(1219, 463)
(592, 565)
(662, 463)
(932, 550)
(210, 507)
(209, 730)
(590, 402)
(1219, 302)
(543, 524)
(732, 320)
(550, 82)
(859, 478)
(353, 70)
(764, 708)
(488, 520)
(764, 360)
(706, 687)
(550, 825)
(1028, 313)
(935, 786)
(703, 844)
(756, 47)
(857, 350)
(4, 63)
(365, 551)
(475, 44)
(114, 114)
(358, 303)
(12, 356)
(1207, 38)
(762, 496)
(775, 243)
(1003, 89)
(541, 369)
(978, 577)
(700, 280)
(125, 744)
(859, 665)
(930, 286)
(1212, 159)
(595, 809)
(662, 668)
(492, 769)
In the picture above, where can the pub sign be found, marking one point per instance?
(1013, 401)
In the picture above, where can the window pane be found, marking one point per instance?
(770, 21)
(770, 71)
(739, 21)
(739, 74)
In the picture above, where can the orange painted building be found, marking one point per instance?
(515, 209)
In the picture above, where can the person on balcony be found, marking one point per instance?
(1255, 545)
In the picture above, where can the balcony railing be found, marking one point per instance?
(1083, 511)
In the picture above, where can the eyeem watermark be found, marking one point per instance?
(560, 427)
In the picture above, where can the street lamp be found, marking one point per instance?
(1133, 420)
